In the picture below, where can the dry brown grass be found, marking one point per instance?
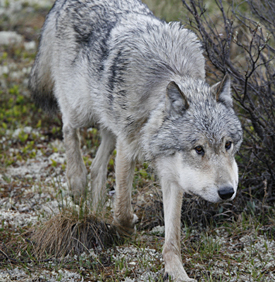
(68, 233)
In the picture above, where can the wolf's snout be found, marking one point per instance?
(226, 193)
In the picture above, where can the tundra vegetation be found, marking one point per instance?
(45, 237)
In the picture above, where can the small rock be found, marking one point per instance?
(10, 37)
(30, 46)
(158, 230)
(4, 70)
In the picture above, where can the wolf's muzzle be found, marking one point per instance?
(226, 193)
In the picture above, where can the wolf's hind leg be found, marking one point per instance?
(76, 170)
(99, 167)
(123, 213)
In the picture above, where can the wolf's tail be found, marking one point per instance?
(41, 82)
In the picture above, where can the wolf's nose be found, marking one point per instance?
(226, 193)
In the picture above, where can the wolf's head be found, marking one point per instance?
(196, 142)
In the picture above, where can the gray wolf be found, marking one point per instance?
(113, 64)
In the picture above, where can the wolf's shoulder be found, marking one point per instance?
(90, 17)
(85, 8)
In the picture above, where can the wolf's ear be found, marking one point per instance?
(176, 101)
(222, 91)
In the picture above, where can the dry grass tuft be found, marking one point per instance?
(68, 233)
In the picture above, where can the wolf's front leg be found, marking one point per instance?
(76, 170)
(124, 217)
(172, 201)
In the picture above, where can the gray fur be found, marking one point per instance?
(142, 81)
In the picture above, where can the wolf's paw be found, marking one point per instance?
(126, 226)
(174, 268)
(78, 184)
(166, 278)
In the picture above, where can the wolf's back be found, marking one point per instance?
(73, 27)
(41, 83)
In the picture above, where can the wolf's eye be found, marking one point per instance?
(228, 145)
(199, 150)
